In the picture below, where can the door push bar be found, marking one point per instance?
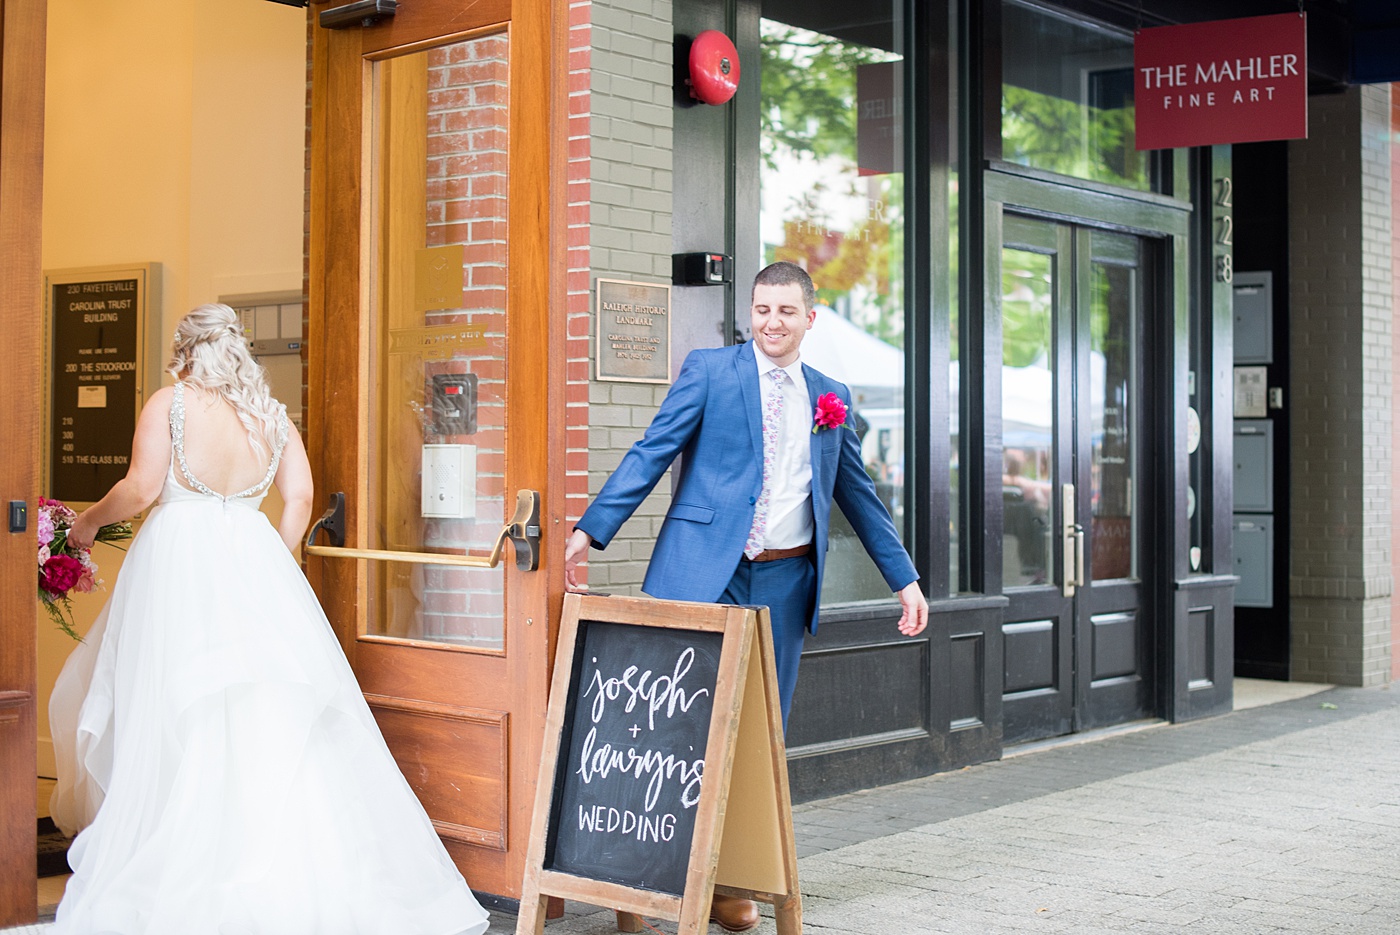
(523, 531)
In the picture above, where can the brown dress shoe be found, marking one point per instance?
(734, 914)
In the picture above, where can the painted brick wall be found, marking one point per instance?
(630, 227)
(1341, 330)
(1395, 356)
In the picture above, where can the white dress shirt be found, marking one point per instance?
(790, 486)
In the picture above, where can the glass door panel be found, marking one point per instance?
(1028, 417)
(437, 419)
(1114, 314)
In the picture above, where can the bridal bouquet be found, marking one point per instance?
(64, 569)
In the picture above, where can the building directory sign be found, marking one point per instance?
(98, 353)
(1225, 81)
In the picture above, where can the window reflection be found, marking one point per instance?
(1028, 421)
(832, 201)
(1067, 98)
(1112, 376)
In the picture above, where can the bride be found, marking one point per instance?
(213, 747)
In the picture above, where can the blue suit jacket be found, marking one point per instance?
(712, 418)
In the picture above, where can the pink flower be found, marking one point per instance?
(57, 511)
(831, 412)
(60, 573)
(45, 529)
(87, 583)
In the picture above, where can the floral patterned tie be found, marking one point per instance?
(772, 419)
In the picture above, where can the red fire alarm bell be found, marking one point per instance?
(714, 67)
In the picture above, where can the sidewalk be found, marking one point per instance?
(1284, 818)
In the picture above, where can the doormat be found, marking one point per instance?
(53, 850)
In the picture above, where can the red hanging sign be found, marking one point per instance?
(1226, 81)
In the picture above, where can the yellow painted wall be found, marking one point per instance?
(174, 133)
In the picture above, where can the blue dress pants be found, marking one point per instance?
(788, 587)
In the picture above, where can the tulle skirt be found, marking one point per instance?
(217, 756)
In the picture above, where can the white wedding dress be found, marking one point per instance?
(218, 757)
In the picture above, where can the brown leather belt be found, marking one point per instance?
(772, 555)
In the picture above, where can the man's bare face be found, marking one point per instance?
(780, 321)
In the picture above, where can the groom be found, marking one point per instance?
(765, 449)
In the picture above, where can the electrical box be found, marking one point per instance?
(1254, 561)
(449, 482)
(1254, 466)
(454, 404)
(1254, 317)
(701, 269)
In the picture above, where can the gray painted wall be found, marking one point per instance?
(630, 238)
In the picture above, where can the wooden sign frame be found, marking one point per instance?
(745, 789)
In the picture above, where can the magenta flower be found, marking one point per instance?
(831, 412)
(60, 573)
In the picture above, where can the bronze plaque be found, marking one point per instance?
(634, 332)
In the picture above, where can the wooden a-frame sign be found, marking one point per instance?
(611, 812)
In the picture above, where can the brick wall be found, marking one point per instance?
(630, 238)
(576, 304)
(468, 159)
(1340, 241)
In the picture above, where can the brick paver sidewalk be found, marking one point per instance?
(1283, 818)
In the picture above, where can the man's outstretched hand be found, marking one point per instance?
(911, 598)
(576, 553)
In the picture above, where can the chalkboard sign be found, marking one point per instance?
(635, 740)
(663, 742)
(98, 356)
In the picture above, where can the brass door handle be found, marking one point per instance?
(523, 531)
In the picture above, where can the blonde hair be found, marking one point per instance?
(210, 352)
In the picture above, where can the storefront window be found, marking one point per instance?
(946, 50)
(832, 201)
(1067, 98)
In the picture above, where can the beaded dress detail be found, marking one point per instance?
(177, 443)
(215, 754)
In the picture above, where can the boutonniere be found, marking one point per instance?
(831, 413)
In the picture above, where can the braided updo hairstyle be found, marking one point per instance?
(211, 353)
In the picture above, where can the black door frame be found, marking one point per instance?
(1192, 609)
(1082, 656)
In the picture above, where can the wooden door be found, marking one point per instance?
(436, 361)
(21, 178)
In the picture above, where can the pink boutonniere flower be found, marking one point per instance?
(831, 412)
